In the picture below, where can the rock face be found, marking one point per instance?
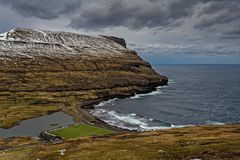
(63, 68)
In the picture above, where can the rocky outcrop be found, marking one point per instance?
(69, 69)
(47, 137)
(120, 41)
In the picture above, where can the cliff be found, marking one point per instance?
(44, 71)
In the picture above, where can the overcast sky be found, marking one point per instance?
(162, 31)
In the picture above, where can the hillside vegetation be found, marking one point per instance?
(203, 142)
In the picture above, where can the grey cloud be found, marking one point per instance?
(235, 31)
(231, 34)
(44, 9)
(169, 26)
(218, 13)
(156, 14)
(97, 15)
(148, 13)
(132, 14)
(220, 49)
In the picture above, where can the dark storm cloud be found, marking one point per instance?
(218, 13)
(133, 14)
(164, 14)
(44, 9)
(148, 13)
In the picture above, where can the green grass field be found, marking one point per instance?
(81, 130)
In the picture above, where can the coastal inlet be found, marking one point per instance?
(195, 95)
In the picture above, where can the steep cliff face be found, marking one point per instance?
(60, 68)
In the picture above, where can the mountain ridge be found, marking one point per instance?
(19, 40)
(69, 71)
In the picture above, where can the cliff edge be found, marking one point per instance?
(44, 71)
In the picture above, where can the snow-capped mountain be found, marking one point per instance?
(33, 42)
(42, 67)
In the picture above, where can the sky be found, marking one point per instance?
(161, 31)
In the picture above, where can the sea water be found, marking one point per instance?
(196, 95)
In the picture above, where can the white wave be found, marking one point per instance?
(136, 96)
(153, 128)
(157, 92)
(127, 118)
(148, 128)
(180, 126)
(104, 103)
(153, 93)
(214, 123)
(124, 121)
(130, 121)
(171, 81)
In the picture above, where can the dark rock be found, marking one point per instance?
(120, 41)
(44, 136)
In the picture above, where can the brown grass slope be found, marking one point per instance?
(49, 76)
(205, 142)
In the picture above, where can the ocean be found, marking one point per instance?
(196, 95)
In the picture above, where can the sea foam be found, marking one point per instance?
(156, 92)
(130, 121)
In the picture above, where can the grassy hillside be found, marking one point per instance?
(203, 142)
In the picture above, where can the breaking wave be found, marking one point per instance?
(130, 121)
(170, 81)
(105, 103)
(214, 123)
(156, 92)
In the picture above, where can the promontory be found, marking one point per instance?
(43, 72)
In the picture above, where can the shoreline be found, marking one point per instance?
(95, 121)
(91, 105)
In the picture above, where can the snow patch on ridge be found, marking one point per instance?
(40, 31)
(5, 36)
(22, 42)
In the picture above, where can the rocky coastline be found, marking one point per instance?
(43, 71)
